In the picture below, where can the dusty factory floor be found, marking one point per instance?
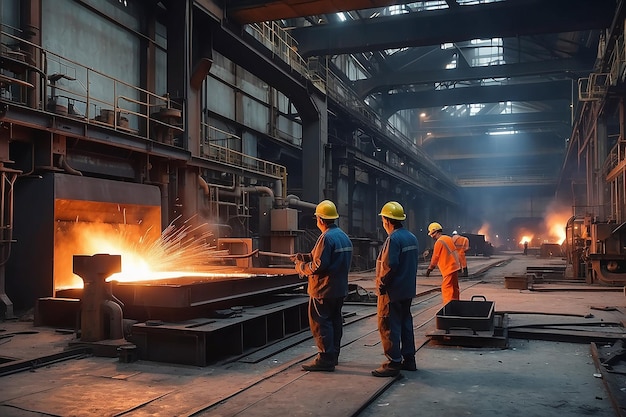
(543, 361)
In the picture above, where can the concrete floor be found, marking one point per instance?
(528, 378)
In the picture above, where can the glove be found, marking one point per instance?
(428, 271)
(297, 257)
(382, 289)
(299, 269)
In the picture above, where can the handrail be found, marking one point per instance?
(128, 108)
(69, 91)
(210, 150)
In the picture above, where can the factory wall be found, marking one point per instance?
(108, 45)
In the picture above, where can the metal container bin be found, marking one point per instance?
(460, 314)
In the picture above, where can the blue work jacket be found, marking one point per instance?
(329, 264)
(396, 266)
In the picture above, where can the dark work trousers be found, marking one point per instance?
(395, 325)
(326, 324)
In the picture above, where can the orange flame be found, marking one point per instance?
(484, 230)
(526, 239)
(556, 223)
(145, 253)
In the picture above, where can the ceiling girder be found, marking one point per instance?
(391, 80)
(483, 21)
(476, 126)
(554, 90)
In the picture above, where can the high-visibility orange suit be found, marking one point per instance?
(462, 245)
(446, 258)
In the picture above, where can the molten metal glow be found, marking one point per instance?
(484, 230)
(527, 238)
(555, 222)
(179, 251)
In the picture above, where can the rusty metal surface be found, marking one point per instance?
(194, 291)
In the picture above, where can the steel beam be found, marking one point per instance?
(555, 90)
(250, 11)
(483, 21)
(391, 80)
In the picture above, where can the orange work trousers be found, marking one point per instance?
(450, 287)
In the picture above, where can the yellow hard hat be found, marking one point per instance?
(326, 210)
(434, 227)
(393, 210)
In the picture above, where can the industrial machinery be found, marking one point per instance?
(200, 293)
(596, 250)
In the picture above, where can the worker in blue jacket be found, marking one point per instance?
(327, 268)
(396, 276)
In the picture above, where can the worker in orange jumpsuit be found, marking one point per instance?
(446, 258)
(462, 245)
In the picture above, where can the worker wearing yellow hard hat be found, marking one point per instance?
(446, 258)
(396, 270)
(326, 210)
(462, 245)
(326, 269)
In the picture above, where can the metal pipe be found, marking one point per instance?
(226, 187)
(277, 255)
(203, 184)
(238, 191)
(294, 200)
(257, 253)
(116, 322)
(278, 193)
(67, 167)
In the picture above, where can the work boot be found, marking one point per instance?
(408, 364)
(464, 273)
(388, 369)
(319, 365)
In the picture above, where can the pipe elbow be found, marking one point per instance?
(67, 168)
(115, 319)
(203, 184)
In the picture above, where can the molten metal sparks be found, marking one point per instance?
(145, 252)
(184, 249)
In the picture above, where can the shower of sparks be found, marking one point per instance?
(180, 248)
(183, 249)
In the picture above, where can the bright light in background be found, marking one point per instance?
(556, 220)
(484, 230)
(526, 239)
(503, 132)
(341, 16)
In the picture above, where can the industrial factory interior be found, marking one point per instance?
(161, 161)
